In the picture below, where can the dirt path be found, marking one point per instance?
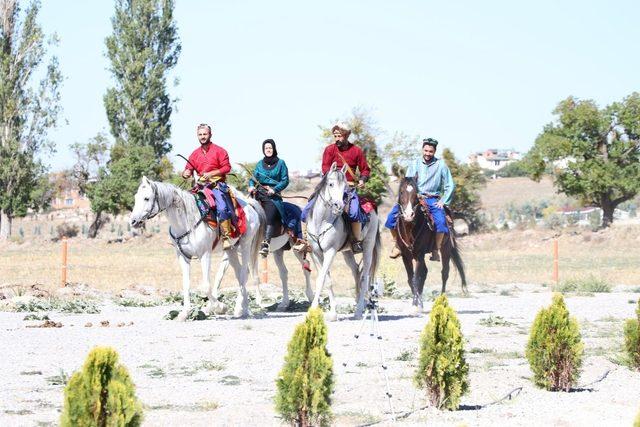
(221, 372)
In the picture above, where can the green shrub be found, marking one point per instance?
(555, 347)
(636, 423)
(632, 339)
(101, 394)
(590, 283)
(442, 369)
(305, 383)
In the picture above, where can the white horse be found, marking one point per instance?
(328, 235)
(276, 247)
(194, 238)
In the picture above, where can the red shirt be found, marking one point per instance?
(352, 154)
(215, 157)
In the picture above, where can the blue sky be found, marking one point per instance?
(471, 74)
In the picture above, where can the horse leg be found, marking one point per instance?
(242, 299)
(327, 259)
(408, 266)
(350, 259)
(284, 277)
(446, 257)
(365, 280)
(307, 277)
(420, 277)
(185, 266)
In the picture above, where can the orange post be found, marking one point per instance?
(64, 262)
(555, 261)
(264, 271)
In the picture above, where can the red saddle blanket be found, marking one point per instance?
(367, 205)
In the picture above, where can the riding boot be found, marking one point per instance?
(225, 233)
(301, 245)
(356, 230)
(395, 251)
(435, 255)
(264, 247)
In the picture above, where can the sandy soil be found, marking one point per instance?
(222, 371)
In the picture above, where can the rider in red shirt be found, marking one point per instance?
(211, 162)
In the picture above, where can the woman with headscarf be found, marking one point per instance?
(273, 177)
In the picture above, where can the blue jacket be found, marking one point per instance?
(433, 178)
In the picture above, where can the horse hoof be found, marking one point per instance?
(282, 306)
(182, 317)
(331, 316)
(219, 308)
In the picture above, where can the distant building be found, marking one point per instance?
(67, 194)
(494, 159)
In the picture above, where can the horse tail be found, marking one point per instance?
(456, 257)
(259, 236)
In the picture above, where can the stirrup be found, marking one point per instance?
(264, 249)
(395, 253)
(300, 246)
(356, 246)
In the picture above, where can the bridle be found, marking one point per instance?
(414, 206)
(150, 214)
(335, 214)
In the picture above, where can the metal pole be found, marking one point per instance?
(64, 262)
(555, 262)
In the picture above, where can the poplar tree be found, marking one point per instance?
(28, 109)
(142, 49)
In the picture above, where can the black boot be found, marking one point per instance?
(264, 248)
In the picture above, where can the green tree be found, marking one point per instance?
(632, 339)
(555, 348)
(28, 109)
(442, 368)
(90, 157)
(364, 133)
(305, 383)
(401, 151)
(142, 49)
(595, 152)
(101, 394)
(469, 179)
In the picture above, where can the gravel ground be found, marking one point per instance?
(222, 371)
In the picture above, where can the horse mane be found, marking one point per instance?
(176, 196)
(322, 183)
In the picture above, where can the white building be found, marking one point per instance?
(494, 159)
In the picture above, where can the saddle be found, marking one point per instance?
(427, 211)
(203, 194)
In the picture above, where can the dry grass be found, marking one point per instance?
(493, 258)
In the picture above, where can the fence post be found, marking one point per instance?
(555, 262)
(64, 262)
(264, 271)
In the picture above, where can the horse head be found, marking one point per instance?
(146, 203)
(335, 183)
(408, 198)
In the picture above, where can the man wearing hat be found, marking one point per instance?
(343, 152)
(211, 162)
(436, 184)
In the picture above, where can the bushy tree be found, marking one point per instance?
(469, 179)
(28, 109)
(632, 339)
(400, 151)
(364, 133)
(305, 383)
(143, 48)
(101, 394)
(442, 368)
(595, 152)
(555, 348)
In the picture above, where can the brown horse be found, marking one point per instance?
(415, 238)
